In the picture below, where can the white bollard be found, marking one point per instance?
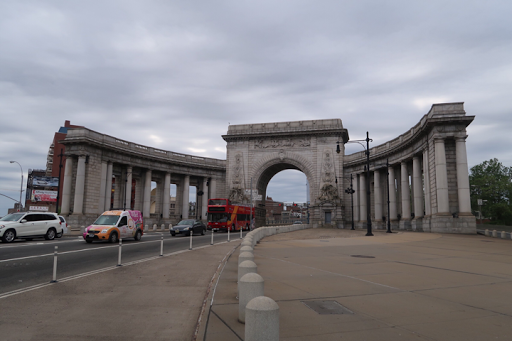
(82, 229)
(245, 256)
(170, 227)
(251, 286)
(503, 235)
(162, 246)
(154, 227)
(229, 229)
(247, 266)
(262, 319)
(211, 242)
(162, 227)
(146, 227)
(241, 232)
(120, 248)
(55, 265)
(191, 234)
(487, 232)
(494, 233)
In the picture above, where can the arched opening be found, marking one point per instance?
(286, 198)
(289, 186)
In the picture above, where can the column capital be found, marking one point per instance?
(461, 138)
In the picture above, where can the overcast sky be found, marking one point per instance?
(175, 74)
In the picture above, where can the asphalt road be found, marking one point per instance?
(28, 263)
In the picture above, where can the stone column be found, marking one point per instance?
(462, 176)
(213, 188)
(166, 206)
(417, 187)
(204, 207)
(377, 195)
(146, 207)
(406, 192)
(103, 184)
(128, 189)
(66, 186)
(443, 204)
(108, 187)
(392, 194)
(355, 197)
(78, 206)
(185, 208)
(426, 180)
(362, 197)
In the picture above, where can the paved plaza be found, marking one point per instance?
(400, 286)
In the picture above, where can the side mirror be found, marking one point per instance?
(23, 221)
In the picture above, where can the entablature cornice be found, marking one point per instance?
(448, 118)
(133, 151)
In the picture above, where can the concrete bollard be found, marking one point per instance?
(487, 232)
(246, 249)
(162, 227)
(503, 235)
(146, 227)
(154, 227)
(82, 229)
(495, 233)
(245, 256)
(170, 227)
(262, 319)
(247, 266)
(246, 242)
(251, 286)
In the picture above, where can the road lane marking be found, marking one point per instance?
(85, 274)
(90, 249)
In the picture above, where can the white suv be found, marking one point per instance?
(28, 225)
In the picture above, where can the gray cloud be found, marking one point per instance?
(173, 75)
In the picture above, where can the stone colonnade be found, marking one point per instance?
(423, 181)
(98, 179)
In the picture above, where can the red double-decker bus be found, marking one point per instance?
(222, 215)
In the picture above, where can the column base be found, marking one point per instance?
(378, 225)
(405, 224)
(464, 224)
(420, 224)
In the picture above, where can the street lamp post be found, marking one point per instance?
(21, 186)
(351, 191)
(387, 185)
(367, 171)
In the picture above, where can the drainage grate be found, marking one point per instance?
(327, 307)
(361, 256)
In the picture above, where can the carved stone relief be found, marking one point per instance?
(279, 143)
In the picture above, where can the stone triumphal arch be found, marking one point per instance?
(257, 152)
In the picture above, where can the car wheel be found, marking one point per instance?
(59, 235)
(9, 236)
(88, 241)
(138, 235)
(113, 237)
(50, 234)
(203, 231)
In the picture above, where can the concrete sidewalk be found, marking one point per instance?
(400, 286)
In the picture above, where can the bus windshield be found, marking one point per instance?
(217, 202)
(217, 217)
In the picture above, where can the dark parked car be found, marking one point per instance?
(189, 226)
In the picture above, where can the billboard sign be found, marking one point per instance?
(39, 195)
(45, 181)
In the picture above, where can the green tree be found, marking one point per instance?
(491, 182)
